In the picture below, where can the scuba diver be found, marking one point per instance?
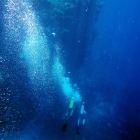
(69, 113)
(81, 118)
(71, 107)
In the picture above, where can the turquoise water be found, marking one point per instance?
(52, 51)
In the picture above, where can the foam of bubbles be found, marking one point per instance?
(22, 26)
(20, 20)
(64, 82)
(35, 48)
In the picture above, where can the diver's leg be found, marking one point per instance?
(77, 129)
(83, 121)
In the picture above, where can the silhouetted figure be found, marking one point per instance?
(81, 118)
(68, 114)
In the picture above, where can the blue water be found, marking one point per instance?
(51, 51)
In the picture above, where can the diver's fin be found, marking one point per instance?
(77, 130)
(64, 127)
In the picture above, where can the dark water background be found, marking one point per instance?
(100, 47)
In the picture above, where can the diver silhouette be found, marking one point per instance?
(81, 118)
(68, 114)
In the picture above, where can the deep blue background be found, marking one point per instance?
(115, 63)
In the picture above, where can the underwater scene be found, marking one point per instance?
(69, 70)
